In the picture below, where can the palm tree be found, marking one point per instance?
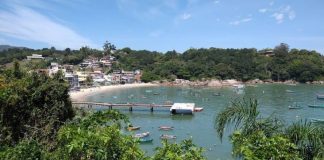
(245, 117)
(308, 138)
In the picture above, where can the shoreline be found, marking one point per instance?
(229, 83)
(83, 93)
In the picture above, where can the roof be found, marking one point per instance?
(183, 106)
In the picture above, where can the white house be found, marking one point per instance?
(35, 56)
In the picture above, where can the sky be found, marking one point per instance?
(163, 25)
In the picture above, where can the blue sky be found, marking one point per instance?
(163, 25)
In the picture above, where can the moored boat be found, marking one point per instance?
(216, 94)
(316, 120)
(198, 109)
(290, 91)
(145, 140)
(141, 135)
(320, 96)
(166, 136)
(166, 128)
(295, 106)
(133, 128)
(316, 105)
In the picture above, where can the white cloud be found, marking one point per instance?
(216, 2)
(284, 12)
(185, 16)
(238, 22)
(279, 17)
(263, 10)
(25, 23)
(292, 15)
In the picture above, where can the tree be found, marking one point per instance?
(245, 117)
(33, 106)
(185, 150)
(281, 50)
(258, 146)
(108, 47)
(97, 136)
(308, 138)
(259, 138)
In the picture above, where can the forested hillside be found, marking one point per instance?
(194, 64)
(242, 64)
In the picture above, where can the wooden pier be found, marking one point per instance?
(130, 105)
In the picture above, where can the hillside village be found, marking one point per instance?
(92, 72)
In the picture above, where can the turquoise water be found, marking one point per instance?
(273, 100)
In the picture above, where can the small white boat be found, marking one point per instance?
(316, 120)
(166, 128)
(141, 135)
(320, 96)
(166, 136)
(290, 91)
(238, 86)
(198, 109)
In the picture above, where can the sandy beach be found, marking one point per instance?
(83, 93)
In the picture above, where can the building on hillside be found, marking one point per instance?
(35, 56)
(68, 68)
(54, 68)
(85, 64)
(72, 79)
(268, 53)
(106, 61)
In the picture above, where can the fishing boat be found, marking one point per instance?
(133, 128)
(316, 105)
(295, 106)
(198, 109)
(166, 136)
(145, 140)
(216, 94)
(239, 86)
(156, 93)
(166, 128)
(148, 91)
(320, 96)
(290, 91)
(316, 120)
(141, 135)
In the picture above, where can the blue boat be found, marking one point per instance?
(316, 105)
(145, 140)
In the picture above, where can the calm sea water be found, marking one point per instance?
(273, 99)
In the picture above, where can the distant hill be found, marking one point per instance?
(6, 47)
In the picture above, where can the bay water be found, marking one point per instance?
(273, 99)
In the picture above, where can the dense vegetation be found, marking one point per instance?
(256, 137)
(37, 121)
(196, 64)
(241, 64)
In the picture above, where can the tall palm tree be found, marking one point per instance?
(309, 138)
(245, 117)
